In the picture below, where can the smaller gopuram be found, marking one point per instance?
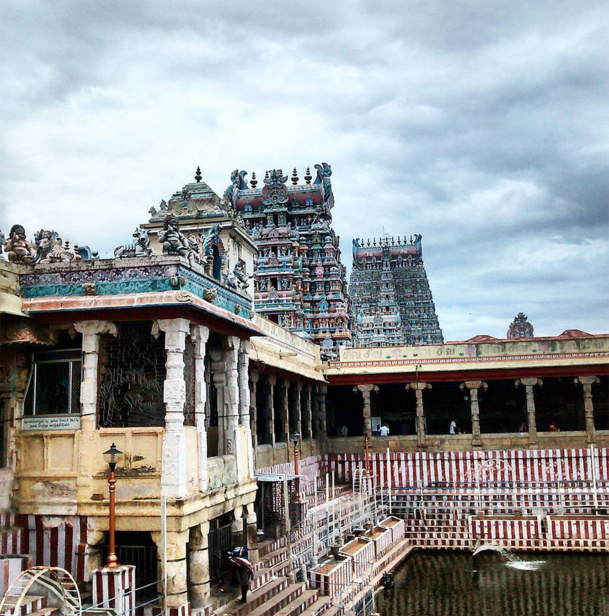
(520, 328)
(391, 301)
(300, 282)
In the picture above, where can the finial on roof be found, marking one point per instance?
(399, 240)
(392, 241)
(374, 241)
(266, 175)
(308, 177)
(253, 181)
(198, 176)
(294, 177)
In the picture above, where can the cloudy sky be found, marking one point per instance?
(482, 125)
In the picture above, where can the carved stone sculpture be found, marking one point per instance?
(49, 248)
(174, 242)
(139, 248)
(19, 250)
(240, 275)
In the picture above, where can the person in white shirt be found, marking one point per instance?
(384, 431)
(453, 427)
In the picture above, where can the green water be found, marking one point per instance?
(533, 584)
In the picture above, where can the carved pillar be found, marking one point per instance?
(530, 398)
(173, 479)
(322, 390)
(270, 401)
(244, 401)
(254, 378)
(284, 411)
(473, 387)
(199, 583)
(586, 382)
(91, 331)
(199, 336)
(218, 373)
(231, 397)
(418, 387)
(366, 390)
(308, 411)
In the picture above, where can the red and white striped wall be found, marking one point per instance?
(50, 542)
(462, 468)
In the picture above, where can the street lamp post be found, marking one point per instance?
(111, 457)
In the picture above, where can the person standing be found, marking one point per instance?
(245, 575)
(453, 427)
(384, 431)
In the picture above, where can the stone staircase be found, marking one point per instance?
(272, 592)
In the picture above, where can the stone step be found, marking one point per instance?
(276, 603)
(29, 605)
(255, 598)
(274, 558)
(320, 606)
(300, 605)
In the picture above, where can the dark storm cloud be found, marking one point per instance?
(481, 125)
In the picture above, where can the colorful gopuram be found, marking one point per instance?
(391, 301)
(299, 280)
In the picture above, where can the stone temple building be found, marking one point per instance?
(300, 282)
(391, 301)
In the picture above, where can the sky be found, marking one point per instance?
(481, 125)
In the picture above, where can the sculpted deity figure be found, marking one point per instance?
(18, 248)
(173, 240)
(240, 274)
(50, 249)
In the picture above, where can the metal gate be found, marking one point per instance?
(220, 544)
(144, 558)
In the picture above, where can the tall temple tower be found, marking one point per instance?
(300, 282)
(391, 302)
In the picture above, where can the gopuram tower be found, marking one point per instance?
(300, 282)
(391, 302)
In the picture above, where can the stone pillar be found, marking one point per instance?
(308, 411)
(254, 379)
(177, 587)
(218, 374)
(199, 583)
(473, 387)
(251, 531)
(231, 394)
(586, 382)
(270, 414)
(199, 336)
(245, 402)
(529, 384)
(366, 390)
(418, 387)
(237, 527)
(298, 408)
(91, 331)
(173, 478)
(322, 390)
(284, 412)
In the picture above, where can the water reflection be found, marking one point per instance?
(445, 584)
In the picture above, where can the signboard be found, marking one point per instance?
(51, 422)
